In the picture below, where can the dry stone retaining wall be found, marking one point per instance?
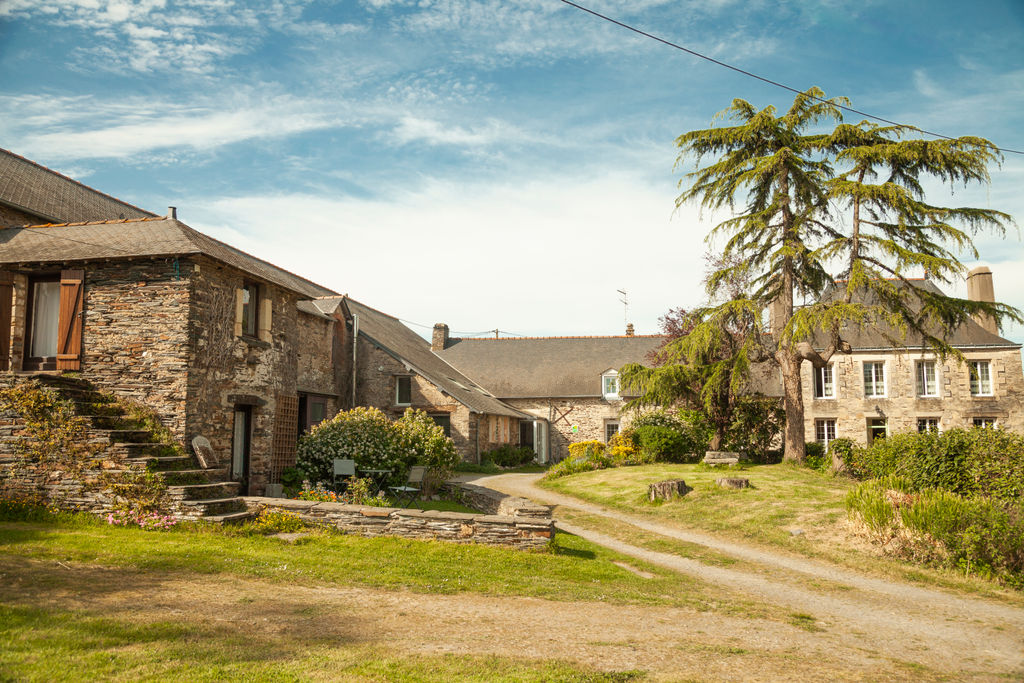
(458, 527)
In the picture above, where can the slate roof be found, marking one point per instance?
(35, 189)
(533, 367)
(408, 347)
(876, 337)
(146, 237)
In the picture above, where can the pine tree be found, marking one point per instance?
(788, 238)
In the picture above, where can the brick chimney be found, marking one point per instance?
(629, 329)
(440, 340)
(979, 288)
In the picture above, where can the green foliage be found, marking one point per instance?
(508, 455)
(145, 418)
(361, 491)
(665, 444)
(756, 424)
(366, 436)
(816, 459)
(585, 456)
(277, 522)
(138, 492)
(978, 462)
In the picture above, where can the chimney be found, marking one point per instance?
(776, 318)
(629, 330)
(172, 212)
(440, 340)
(979, 288)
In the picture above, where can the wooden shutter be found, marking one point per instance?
(265, 319)
(239, 304)
(69, 322)
(6, 303)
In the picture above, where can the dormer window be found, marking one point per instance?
(610, 385)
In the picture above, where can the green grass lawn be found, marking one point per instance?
(783, 497)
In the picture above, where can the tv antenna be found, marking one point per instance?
(625, 306)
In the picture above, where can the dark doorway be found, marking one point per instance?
(526, 433)
(312, 411)
(241, 442)
(877, 429)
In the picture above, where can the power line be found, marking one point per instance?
(760, 78)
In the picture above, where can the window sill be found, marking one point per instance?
(253, 341)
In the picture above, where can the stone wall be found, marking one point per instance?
(228, 370)
(496, 503)
(11, 217)
(135, 332)
(316, 370)
(589, 415)
(518, 532)
(901, 407)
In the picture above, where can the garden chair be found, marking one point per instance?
(344, 469)
(410, 492)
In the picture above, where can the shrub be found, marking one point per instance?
(668, 437)
(664, 444)
(585, 456)
(871, 502)
(366, 436)
(815, 457)
(756, 425)
(508, 455)
(277, 522)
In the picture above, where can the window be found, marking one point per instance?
(250, 309)
(403, 391)
(824, 387)
(878, 428)
(927, 424)
(874, 379)
(825, 431)
(981, 378)
(611, 428)
(445, 422)
(610, 384)
(927, 385)
(982, 422)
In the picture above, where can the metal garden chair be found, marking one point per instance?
(345, 470)
(410, 492)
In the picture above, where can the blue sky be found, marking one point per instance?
(487, 164)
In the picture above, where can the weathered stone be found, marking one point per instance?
(733, 482)
(664, 490)
(721, 458)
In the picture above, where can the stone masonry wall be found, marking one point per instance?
(375, 386)
(226, 370)
(518, 532)
(901, 407)
(10, 216)
(315, 372)
(135, 332)
(589, 415)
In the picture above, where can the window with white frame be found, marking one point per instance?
(927, 379)
(824, 384)
(825, 431)
(610, 384)
(403, 390)
(981, 377)
(874, 379)
(927, 424)
(982, 422)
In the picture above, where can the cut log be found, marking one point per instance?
(721, 458)
(664, 490)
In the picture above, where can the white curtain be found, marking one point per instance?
(45, 311)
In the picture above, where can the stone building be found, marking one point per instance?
(568, 386)
(394, 369)
(889, 385)
(217, 342)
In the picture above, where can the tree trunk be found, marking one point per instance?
(716, 441)
(792, 400)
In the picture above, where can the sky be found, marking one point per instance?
(490, 164)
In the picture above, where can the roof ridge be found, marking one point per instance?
(580, 336)
(74, 225)
(76, 182)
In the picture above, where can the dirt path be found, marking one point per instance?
(917, 624)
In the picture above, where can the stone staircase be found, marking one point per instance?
(197, 494)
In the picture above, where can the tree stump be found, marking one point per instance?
(733, 482)
(663, 490)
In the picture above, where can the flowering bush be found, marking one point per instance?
(150, 521)
(585, 456)
(367, 436)
(278, 521)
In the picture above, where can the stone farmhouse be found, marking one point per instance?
(568, 387)
(880, 388)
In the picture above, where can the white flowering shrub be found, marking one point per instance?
(367, 436)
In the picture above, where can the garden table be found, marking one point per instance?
(378, 477)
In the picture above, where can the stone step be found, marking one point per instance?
(134, 451)
(213, 491)
(230, 518)
(114, 422)
(162, 463)
(121, 435)
(59, 381)
(96, 408)
(186, 477)
(215, 506)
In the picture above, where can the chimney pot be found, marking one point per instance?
(172, 212)
(629, 329)
(440, 338)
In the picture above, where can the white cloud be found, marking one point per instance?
(540, 256)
